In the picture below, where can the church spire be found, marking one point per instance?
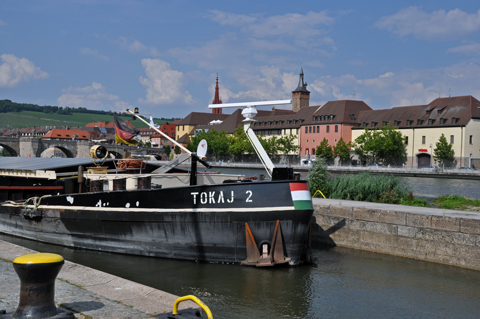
(216, 99)
(301, 96)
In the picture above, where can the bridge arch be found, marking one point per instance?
(9, 149)
(57, 151)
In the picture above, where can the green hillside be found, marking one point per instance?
(32, 118)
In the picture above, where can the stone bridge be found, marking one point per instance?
(33, 147)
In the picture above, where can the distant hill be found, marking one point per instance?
(17, 115)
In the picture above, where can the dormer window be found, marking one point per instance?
(374, 124)
(409, 122)
(455, 120)
(365, 124)
(397, 123)
(431, 121)
(352, 117)
(420, 122)
(384, 123)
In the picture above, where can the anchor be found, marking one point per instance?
(267, 257)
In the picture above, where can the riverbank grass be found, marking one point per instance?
(457, 202)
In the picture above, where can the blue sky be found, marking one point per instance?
(163, 56)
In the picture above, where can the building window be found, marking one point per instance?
(328, 128)
(455, 120)
(442, 121)
(309, 129)
(431, 121)
(409, 122)
(423, 139)
(336, 128)
(313, 150)
(406, 140)
(306, 129)
(318, 129)
(452, 139)
(471, 139)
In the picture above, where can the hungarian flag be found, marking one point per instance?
(124, 133)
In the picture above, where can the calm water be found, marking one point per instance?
(342, 283)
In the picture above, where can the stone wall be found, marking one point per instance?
(429, 237)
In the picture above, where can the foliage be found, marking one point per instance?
(286, 144)
(457, 202)
(177, 150)
(444, 152)
(370, 188)
(167, 149)
(17, 115)
(342, 150)
(386, 145)
(318, 177)
(324, 149)
(217, 142)
(414, 201)
(4, 152)
(239, 143)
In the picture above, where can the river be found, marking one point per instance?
(342, 283)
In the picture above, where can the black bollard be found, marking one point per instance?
(37, 273)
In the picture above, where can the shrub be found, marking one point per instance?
(318, 177)
(367, 187)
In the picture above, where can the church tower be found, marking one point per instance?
(301, 96)
(216, 99)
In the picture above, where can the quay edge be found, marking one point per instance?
(429, 234)
(89, 288)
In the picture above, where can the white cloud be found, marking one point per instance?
(94, 53)
(163, 85)
(16, 70)
(291, 24)
(134, 46)
(438, 25)
(469, 49)
(92, 97)
(2, 23)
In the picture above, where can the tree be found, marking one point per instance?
(318, 177)
(177, 150)
(444, 152)
(167, 149)
(324, 149)
(239, 143)
(286, 144)
(342, 150)
(386, 145)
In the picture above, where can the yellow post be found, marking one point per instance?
(194, 299)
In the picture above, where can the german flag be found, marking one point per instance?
(124, 133)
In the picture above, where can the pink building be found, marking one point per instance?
(332, 121)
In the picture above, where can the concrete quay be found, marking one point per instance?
(87, 292)
(430, 234)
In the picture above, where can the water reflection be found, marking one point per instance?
(343, 283)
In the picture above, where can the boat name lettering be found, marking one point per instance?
(211, 198)
(250, 195)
